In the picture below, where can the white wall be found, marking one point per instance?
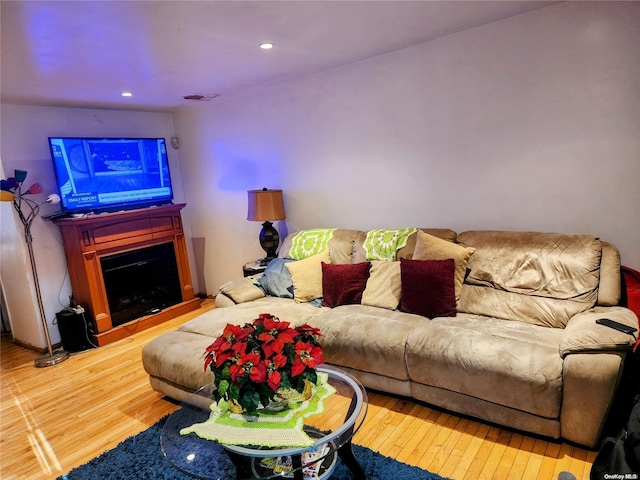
(16, 278)
(24, 146)
(531, 123)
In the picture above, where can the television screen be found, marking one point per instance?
(110, 174)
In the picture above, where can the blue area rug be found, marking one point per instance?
(140, 457)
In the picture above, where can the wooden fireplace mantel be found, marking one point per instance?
(88, 238)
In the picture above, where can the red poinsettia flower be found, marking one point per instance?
(274, 364)
(259, 356)
(236, 350)
(249, 363)
(273, 380)
(275, 336)
(227, 345)
(231, 335)
(308, 330)
(307, 355)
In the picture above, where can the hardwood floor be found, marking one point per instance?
(56, 418)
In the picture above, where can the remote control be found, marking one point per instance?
(621, 327)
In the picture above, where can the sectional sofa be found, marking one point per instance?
(497, 325)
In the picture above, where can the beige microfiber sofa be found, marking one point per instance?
(521, 348)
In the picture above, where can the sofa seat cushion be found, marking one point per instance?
(212, 322)
(178, 357)
(513, 364)
(368, 339)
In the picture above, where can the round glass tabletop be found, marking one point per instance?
(328, 432)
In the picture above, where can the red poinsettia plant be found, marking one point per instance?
(256, 362)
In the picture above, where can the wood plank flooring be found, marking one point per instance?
(55, 418)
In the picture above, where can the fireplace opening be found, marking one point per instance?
(141, 282)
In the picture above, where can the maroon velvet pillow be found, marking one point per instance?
(428, 287)
(343, 284)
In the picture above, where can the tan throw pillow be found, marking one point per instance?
(383, 286)
(306, 276)
(242, 290)
(429, 247)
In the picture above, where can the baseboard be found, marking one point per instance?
(54, 346)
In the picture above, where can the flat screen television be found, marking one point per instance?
(96, 175)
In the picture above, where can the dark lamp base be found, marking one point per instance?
(269, 241)
(265, 261)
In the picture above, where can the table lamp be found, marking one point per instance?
(264, 206)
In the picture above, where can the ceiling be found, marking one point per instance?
(86, 53)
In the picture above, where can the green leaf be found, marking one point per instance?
(250, 401)
(234, 391)
(285, 381)
(222, 387)
(311, 375)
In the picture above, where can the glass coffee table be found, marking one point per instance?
(330, 432)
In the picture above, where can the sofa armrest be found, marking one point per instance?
(223, 301)
(583, 334)
(243, 290)
(589, 384)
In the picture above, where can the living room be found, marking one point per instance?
(526, 123)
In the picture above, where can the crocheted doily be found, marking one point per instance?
(266, 428)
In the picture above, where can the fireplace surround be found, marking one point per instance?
(141, 282)
(130, 269)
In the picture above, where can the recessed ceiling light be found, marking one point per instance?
(127, 94)
(266, 46)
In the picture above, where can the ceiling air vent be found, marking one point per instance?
(201, 98)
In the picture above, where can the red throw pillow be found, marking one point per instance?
(428, 287)
(343, 284)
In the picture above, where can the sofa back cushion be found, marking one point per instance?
(407, 247)
(338, 241)
(538, 278)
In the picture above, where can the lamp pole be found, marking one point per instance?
(33, 207)
(52, 358)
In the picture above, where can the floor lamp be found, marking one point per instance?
(11, 189)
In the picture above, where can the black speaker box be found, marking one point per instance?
(73, 331)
